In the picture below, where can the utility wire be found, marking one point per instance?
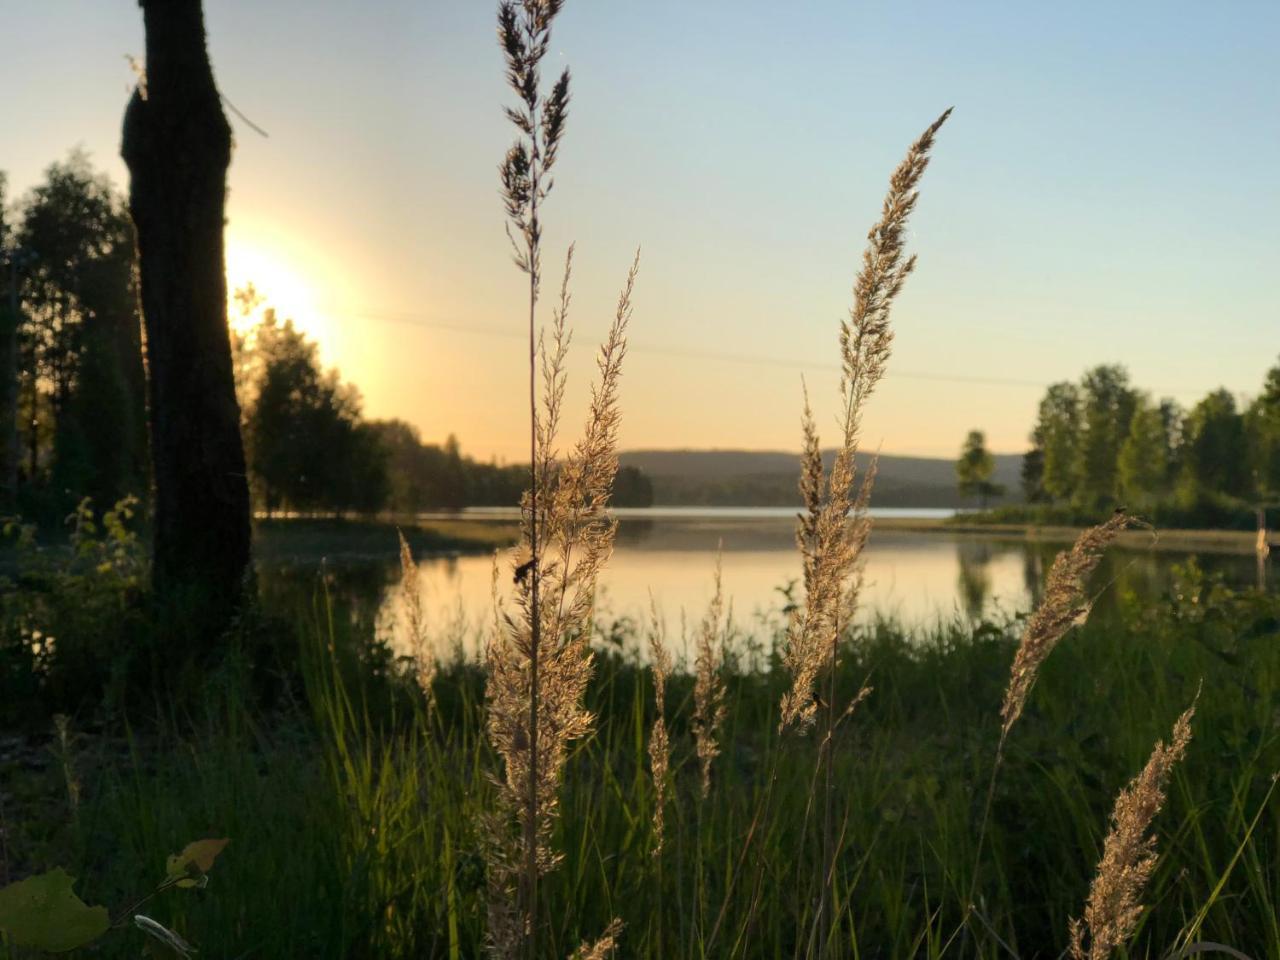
(415, 320)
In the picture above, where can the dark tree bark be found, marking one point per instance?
(177, 145)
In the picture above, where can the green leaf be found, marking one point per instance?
(196, 859)
(42, 912)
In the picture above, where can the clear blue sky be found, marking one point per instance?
(1107, 191)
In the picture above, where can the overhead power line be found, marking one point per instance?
(689, 353)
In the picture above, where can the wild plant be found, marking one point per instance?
(540, 661)
(708, 686)
(1129, 857)
(659, 742)
(832, 530)
(425, 662)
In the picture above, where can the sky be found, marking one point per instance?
(1105, 192)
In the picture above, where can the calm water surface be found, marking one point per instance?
(670, 553)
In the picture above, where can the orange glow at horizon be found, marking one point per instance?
(283, 284)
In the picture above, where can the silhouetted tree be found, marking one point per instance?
(80, 343)
(975, 468)
(632, 488)
(307, 449)
(177, 145)
(9, 322)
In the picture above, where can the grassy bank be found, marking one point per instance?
(305, 539)
(987, 527)
(358, 815)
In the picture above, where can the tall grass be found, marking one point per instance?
(358, 815)
(554, 799)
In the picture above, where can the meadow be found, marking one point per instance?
(357, 808)
(1085, 778)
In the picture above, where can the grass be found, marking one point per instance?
(355, 814)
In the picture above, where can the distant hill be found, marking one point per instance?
(768, 478)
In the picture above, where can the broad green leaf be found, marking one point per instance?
(196, 859)
(44, 913)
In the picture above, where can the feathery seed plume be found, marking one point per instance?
(424, 657)
(1065, 605)
(601, 949)
(708, 684)
(1129, 854)
(832, 531)
(659, 744)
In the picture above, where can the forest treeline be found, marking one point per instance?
(1101, 443)
(72, 357)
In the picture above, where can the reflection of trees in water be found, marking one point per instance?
(974, 577)
(357, 591)
(1137, 573)
(633, 530)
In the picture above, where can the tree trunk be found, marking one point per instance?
(177, 145)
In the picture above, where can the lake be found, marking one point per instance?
(917, 577)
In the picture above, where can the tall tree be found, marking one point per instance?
(1032, 475)
(1108, 405)
(1058, 426)
(1172, 417)
(80, 341)
(1143, 466)
(1215, 452)
(1262, 425)
(9, 323)
(307, 449)
(975, 469)
(177, 145)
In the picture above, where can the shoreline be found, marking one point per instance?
(1207, 540)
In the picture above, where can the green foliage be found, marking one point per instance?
(1142, 465)
(190, 868)
(65, 609)
(1107, 407)
(1058, 433)
(1103, 443)
(43, 912)
(975, 468)
(1262, 425)
(1215, 457)
(364, 816)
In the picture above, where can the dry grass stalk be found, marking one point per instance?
(708, 684)
(420, 648)
(659, 743)
(1129, 853)
(524, 34)
(834, 527)
(1064, 605)
(568, 509)
(603, 947)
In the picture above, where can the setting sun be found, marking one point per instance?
(281, 284)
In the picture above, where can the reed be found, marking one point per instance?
(709, 686)
(425, 662)
(540, 662)
(659, 741)
(1129, 856)
(832, 531)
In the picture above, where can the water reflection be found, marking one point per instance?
(916, 577)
